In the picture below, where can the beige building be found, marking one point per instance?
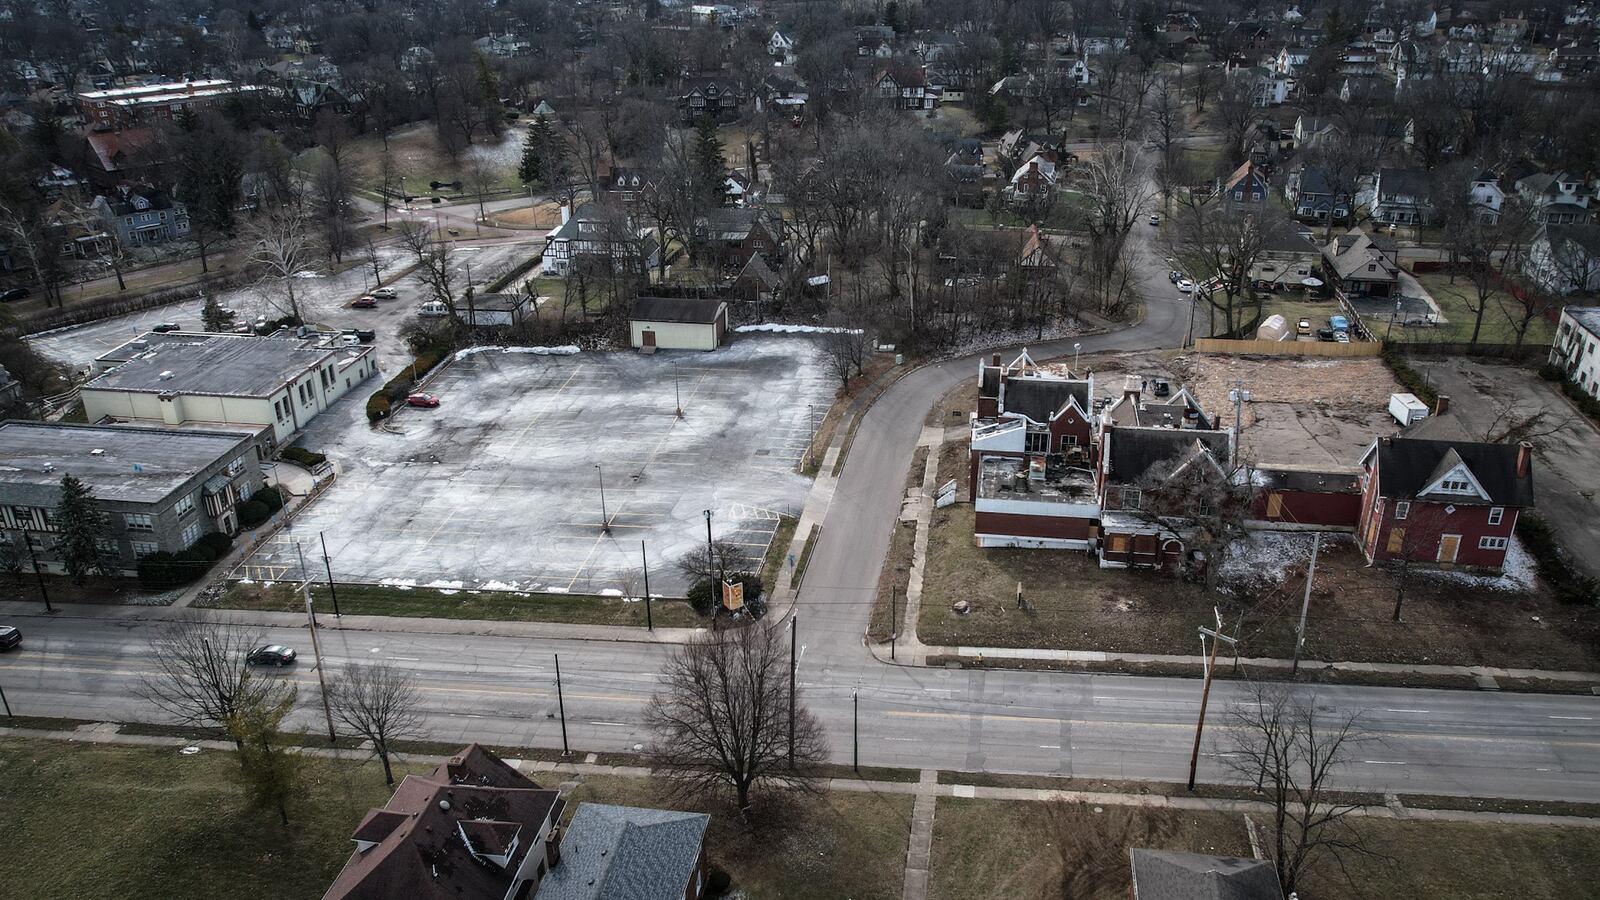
(182, 378)
(672, 323)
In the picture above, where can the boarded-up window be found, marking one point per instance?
(1397, 539)
(1118, 543)
(1274, 506)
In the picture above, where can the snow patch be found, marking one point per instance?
(499, 586)
(1516, 577)
(779, 328)
(563, 350)
(444, 584)
(610, 592)
(399, 582)
(1265, 557)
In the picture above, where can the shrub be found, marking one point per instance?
(304, 457)
(706, 596)
(719, 882)
(1570, 585)
(269, 495)
(253, 513)
(216, 543)
(1408, 377)
(395, 389)
(155, 570)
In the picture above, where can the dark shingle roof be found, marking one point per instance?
(676, 309)
(1168, 875)
(1039, 399)
(1408, 465)
(626, 853)
(1135, 450)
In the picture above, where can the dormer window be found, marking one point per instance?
(1454, 486)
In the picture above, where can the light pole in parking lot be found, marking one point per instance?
(710, 565)
(1075, 348)
(605, 520)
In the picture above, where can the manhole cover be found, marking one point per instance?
(763, 452)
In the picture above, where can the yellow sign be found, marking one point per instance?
(732, 594)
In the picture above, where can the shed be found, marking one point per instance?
(673, 323)
(1274, 328)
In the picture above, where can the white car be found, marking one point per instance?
(1185, 285)
(385, 293)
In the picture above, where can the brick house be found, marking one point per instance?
(1132, 535)
(1290, 497)
(730, 236)
(1445, 502)
(709, 97)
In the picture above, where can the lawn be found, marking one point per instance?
(997, 848)
(147, 822)
(773, 565)
(502, 606)
(991, 848)
(1293, 306)
(1456, 302)
(417, 156)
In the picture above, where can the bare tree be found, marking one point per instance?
(1290, 749)
(378, 702)
(434, 259)
(845, 349)
(1197, 490)
(722, 718)
(281, 248)
(201, 676)
(1092, 843)
(1117, 187)
(1218, 245)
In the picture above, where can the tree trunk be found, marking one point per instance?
(388, 773)
(205, 267)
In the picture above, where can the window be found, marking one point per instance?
(1496, 514)
(1038, 442)
(1492, 543)
(185, 506)
(1069, 440)
(1402, 509)
(141, 549)
(1131, 498)
(191, 534)
(106, 547)
(1455, 486)
(139, 522)
(234, 467)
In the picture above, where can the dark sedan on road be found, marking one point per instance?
(9, 637)
(13, 294)
(271, 655)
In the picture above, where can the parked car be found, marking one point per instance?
(433, 309)
(366, 335)
(1155, 219)
(1185, 285)
(1174, 276)
(13, 294)
(1341, 337)
(426, 401)
(271, 655)
(1303, 326)
(349, 340)
(165, 327)
(1324, 334)
(1338, 323)
(10, 636)
(385, 293)
(364, 303)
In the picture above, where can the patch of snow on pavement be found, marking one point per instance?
(498, 586)
(444, 584)
(562, 350)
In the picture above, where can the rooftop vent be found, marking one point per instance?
(444, 805)
(97, 452)
(165, 375)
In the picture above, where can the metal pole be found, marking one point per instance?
(710, 563)
(605, 520)
(794, 638)
(811, 431)
(38, 575)
(6, 703)
(1200, 724)
(677, 396)
(855, 731)
(1075, 347)
(648, 623)
(894, 617)
(332, 593)
(561, 704)
(1305, 605)
(316, 648)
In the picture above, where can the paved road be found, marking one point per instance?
(500, 689)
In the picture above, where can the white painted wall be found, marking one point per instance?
(675, 335)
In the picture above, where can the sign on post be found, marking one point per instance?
(732, 595)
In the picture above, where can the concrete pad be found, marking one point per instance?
(498, 488)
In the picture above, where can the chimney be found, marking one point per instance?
(1524, 459)
(566, 212)
(1033, 165)
(1442, 405)
(1131, 388)
(995, 360)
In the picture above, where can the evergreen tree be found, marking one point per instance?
(531, 169)
(711, 166)
(544, 156)
(81, 525)
(213, 316)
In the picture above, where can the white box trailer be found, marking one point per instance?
(1407, 409)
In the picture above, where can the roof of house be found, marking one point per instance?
(1309, 479)
(429, 842)
(1350, 253)
(1283, 236)
(756, 269)
(1243, 173)
(1313, 180)
(626, 853)
(1041, 398)
(1584, 236)
(732, 223)
(232, 365)
(1169, 875)
(1407, 466)
(127, 463)
(1587, 317)
(1135, 450)
(681, 310)
(1403, 183)
(115, 149)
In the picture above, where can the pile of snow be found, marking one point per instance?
(1265, 557)
(1517, 576)
(1016, 337)
(498, 586)
(563, 350)
(779, 328)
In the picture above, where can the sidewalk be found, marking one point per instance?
(926, 789)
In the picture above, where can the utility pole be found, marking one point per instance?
(605, 520)
(645, 558)
(561, 704)
(855, 731)
(710, 563)
(1305, 605)
(316, 649)
(894, 617)
(27, 538)
(794, 638)
(10, 715)
(1205, 692)
(332, 593)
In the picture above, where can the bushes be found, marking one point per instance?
(301, 456)
(253, 513)
(164, 570)
(1408, 377)
(1570, 586)
(706, 596)
(395, 389)
(270, 496)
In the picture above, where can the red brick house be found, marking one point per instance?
(1445, 502)
(731, 235)
(1132, 534)
(1288, 497)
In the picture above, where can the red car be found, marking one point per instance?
(425, 400)
(364, 303)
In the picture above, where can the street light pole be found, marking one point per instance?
(1075, 347)
(645, 558)
(894, 617)
(27, 538)
(794, 638)
(1305, 605)
(605, 520)
(711, 564)
(328, 566)
(561, 704)
(316, 648)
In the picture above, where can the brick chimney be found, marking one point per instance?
(1524, 459)
(1441, 405)
(994, 360)
(566, 212)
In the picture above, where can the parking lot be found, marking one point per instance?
(500, 487)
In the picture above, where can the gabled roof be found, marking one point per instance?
(1403, 183)
(1134, 450)
(1585, 237)
(626, 853)
(1245, 172)
(1041, 398)
(1408, 466)
(1168, 875)
(682, 310)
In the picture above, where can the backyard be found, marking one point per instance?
(1456, 303)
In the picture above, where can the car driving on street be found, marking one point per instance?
(271, 655)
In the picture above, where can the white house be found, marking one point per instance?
(1487, 196)
(781, 46)
(1565, 258)
(1576, 348)
(676, 323)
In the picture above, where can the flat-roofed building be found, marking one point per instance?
(180, 378)
(116, 108)
(162, 489)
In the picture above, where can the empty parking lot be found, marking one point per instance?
(500, 487)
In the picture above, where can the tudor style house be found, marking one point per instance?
(1444, 502)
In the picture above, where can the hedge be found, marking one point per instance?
(395, 389)
(308, 458)
(706, 598)
(1570, 585)
(1408, 377)
(252, 513)
(1586, 404)
(167, 570)
(269, 496)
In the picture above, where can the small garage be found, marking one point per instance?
(674, 323)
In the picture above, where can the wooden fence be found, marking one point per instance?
(1290, 348)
